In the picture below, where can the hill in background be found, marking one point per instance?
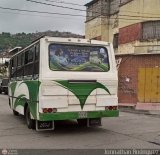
(9, 41)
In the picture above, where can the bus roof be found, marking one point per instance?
(65, 40)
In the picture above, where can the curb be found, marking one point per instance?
(143, 112)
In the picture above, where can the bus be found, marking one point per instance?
(53, 79)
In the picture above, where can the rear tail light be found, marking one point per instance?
(45, 110)
(54, 110)
(49, 110)
(115, 107)
(111, 107)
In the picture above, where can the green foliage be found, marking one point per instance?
(9, 41)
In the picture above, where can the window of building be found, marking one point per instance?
(151, 30)
(115, 40)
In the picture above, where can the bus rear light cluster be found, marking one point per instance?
(111, 107)
(49, 110)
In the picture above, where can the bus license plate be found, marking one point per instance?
(82, 114)
(95, 122)
(42, 125)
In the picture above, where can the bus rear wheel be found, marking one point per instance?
(82, 122)
(30, 122)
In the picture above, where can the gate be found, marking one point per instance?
(149, 85)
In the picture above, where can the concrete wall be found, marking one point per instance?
(125, 20)
(137, 9)
(97, 8)
(114, 6)
(97, 27)
(137, 46)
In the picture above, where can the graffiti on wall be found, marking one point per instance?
(118, 62)
(126, 85)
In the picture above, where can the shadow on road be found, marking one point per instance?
(64, 127)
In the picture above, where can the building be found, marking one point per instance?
(139, 80)
(132, 25)
(134, 28)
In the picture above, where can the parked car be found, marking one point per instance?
(4, 86)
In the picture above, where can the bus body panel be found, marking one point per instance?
(74, 95)
(56, 95)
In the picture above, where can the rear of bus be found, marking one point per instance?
(78, 80)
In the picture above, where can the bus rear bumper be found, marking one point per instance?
(77, 115)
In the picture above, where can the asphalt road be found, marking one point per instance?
(129, 130)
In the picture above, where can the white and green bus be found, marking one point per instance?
(53, 79)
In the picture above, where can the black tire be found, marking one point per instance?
(6, 93)
(15, 113)
(9, 102)
(30, 122)
(82, 122)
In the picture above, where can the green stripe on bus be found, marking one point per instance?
(82, 90)
(13, 87)
(75, 115)
(33, 89)
(20, 100)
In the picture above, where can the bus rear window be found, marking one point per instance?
(78, 58)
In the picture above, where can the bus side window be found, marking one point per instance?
(20, 66)
(28, 69)
(14, 67)
(11, 69)
(36, 61)
(37, 52)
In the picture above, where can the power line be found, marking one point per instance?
(59, 6)
(125, 19)
(140, 13)
(84, 10)
(44, 16)
(54, 13)
(41, 12)
(139, 16)
(56, 1)
(36, 15)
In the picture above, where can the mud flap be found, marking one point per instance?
(94, 122)
(44, 125)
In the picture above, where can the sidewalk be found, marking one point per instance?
(131, 109)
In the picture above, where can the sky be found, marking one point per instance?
(17, 22)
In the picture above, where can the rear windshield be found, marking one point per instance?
(78, 58)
